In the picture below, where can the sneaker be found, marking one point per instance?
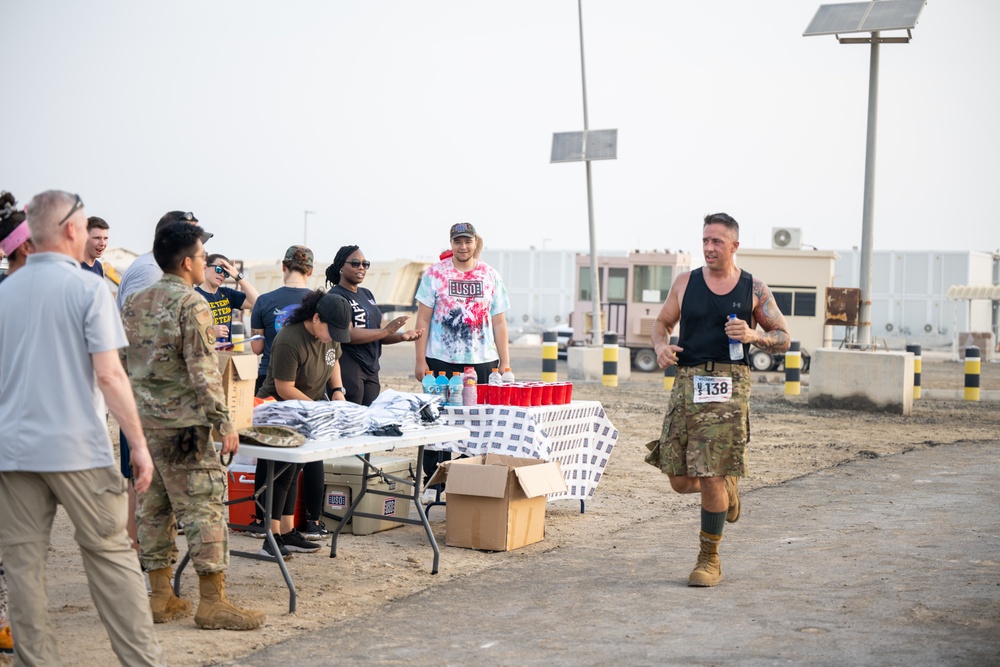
(315, 531)
(430, 496)
(255, 528)
(295, 542)
(265, 550)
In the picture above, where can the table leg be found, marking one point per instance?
(269, 535)
(418, 483)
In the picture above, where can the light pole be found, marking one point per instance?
(305, 226)
(872, 17)
(586, 146)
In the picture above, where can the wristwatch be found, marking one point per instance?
(239, 277)
(340, 389)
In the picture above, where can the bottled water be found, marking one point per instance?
(508, 377)
(735, 346)
(495, 378)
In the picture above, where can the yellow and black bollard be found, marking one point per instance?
(670, 372)
(610, 377)
(915, 349)
(972, 373)
(793, 369)
(550, 355)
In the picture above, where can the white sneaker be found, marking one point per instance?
(430, 495)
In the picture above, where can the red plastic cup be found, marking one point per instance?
(523, 393)
(569, 392)
(558, 393)
(536, 393)
(547, 393)
(483, 394)
(503, 394)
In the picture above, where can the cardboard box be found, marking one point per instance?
(343, 484)
(495, 502)
(239, 372)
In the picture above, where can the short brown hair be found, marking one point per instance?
(93, 222)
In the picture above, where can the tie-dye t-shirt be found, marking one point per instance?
(464, 303)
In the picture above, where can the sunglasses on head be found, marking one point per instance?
(355, 263)
(77, 205)
(187, 217)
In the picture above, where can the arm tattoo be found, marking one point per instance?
(776, 337)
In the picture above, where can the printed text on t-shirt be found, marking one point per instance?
(466, 288)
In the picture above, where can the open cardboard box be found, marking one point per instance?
(496, 502)
(239, 372)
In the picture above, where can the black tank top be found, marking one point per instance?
(703, 320)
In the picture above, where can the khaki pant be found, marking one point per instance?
(96, 504)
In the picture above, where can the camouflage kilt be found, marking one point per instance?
(704, 439)
(191, 492)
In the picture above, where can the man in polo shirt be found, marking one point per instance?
(58, 364)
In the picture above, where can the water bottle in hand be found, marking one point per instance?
(735, 346)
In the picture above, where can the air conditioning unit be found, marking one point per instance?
(786, 237)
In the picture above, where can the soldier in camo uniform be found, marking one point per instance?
(702, 448)
(178, 390)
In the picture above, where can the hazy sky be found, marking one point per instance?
(393, 120)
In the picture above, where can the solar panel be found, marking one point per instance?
(895, 15)
(585, 145)
(865, 17)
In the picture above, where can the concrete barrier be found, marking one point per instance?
(793, 369)
(587, 363)
(610, 371)
(550, 356)
(917, 367)
(865, 381)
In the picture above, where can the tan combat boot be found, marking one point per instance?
(732, 488)
(216, 612)
(163, 603)
(708, 570)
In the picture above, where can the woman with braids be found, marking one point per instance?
(303, 364)
(15, 241)
(360, 363)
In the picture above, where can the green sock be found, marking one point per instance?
(713, 522)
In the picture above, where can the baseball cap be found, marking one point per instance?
(463, 229)
(272, 435)
(181, 216)
(334, 310)
(300, 255)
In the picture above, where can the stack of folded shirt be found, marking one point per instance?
(392, 412)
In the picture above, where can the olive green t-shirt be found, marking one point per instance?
(298, 356)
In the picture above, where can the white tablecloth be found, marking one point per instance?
(578, 435)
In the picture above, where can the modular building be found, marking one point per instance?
(910, 301)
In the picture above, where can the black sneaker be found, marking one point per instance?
(265, 550)
(255, 528)
(295, 542)
(315, 531)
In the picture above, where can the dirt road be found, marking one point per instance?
(789, 440)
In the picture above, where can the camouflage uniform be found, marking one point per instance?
(704, 439)
(173, 367)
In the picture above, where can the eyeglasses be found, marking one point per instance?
(77, 205)
(203, 256)
(218, 269)
(355, 263)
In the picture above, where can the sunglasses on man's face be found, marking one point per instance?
(77, 205)
(219, 269)
(357, 263)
